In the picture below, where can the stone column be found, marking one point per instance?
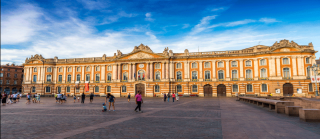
(147, 72)
(30, 74)
(119, 72)
(103, 73)
(114, 72)
(73, 74)
(185, 70)
(272, 67)
(214, 70)
(255, 68)
(241, 70)
(294, 66)
(82, 74)
(278, 67)
(171, 69)
(167, 70)
(54, 77)
(134, 71)
(163, 70)
(151, 71)
(92, 73)
(39, 74)
(43, 74)
(130, 71)
(200, 71)
(64, 74)
(227, 71)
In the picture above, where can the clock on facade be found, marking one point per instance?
(141, 65)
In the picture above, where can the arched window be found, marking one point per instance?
(33, 89)
(263, 73)
(98, 68)
(308, 72)
(34, 78)
(48, 89)
(88, 69)
(194, 75)
(206, 64)
(264, 88)
(307, 60)
(156, 88)
(140, 75)
(96, 89)
(234, 64)
(88, 77)
(234, 74)
(207, 75)
(49, 69)
(68, 89)
(78, 77)
(220, 64)
(248, 63)
(157, 66)
(109, 68)
(248, 74)
(109, 77)
(285, 60)
(179, 88)
(194, 65)
(178, 66)
(97, 77)
(249, 87)
(34, 69)
(220, 74)
(179, 75)
(157, 75)
(310, 87)
(263, 62)
(125, 76)
(60, 78)
(124, 89)
(235, 88)
(78, 69)
(108, 89)
(194, 88)
(48, 78)
(286, 72)
(69, 78)
(59, 89)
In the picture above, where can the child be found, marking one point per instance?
(78, 98)
(104, 107)
(74, 99)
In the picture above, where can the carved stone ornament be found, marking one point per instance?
(170, 53)
(284, 43)
(119, 53)
(35, 57)
(165, 51)
(142, 47)
(140, 56)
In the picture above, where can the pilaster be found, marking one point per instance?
(200, 71)
(227, 71)
(241, 70)
(214, 70)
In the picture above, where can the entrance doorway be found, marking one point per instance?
(207, 90)
(140, 87)
(287, 89)
(221, 90)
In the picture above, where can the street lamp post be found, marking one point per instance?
(315, 67)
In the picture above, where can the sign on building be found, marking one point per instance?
(315, 79)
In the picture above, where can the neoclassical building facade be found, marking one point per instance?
(280, 69)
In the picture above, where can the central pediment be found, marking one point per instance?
(141, 55)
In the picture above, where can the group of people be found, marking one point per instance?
(60, 98)
(35, 98)
(10, 98)
(175, 96)
(111, 99)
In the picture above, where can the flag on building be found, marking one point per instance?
(86, 86)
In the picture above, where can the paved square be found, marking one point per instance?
(187, 118)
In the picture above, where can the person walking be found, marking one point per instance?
(14, 97)
(111, 101)
(177, 96)
(38, 98)
(9, 99)
(139, 101)
(4, 99)
(168, 97)
(28, 98)
(173, 97)
(129, 97)
(18, 97)
(56, 97)
(74, 99)
(59, 97)
(83, 97)
(78, 98)
(91, 97)
(164, 97)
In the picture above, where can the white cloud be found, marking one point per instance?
(217, 9)
(20, 25)
(148, 17)
(203, 24)
(115, 18)
(242, 22)
(94, 4)
(268, 20)
(152, 37)
(185, 26)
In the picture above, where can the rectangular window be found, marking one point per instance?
(0, 82)
(49, 69)
(8, 81)
(157, 66)
(194, 88)
(109, 89)
(234, 74)
(124, 89)
(48, 89)
(310, 87)
(234, 64)
(59, 89)
(194, 65)
(48, 78)
(78, 69)
(8, 69)
(207, 75)
(248, 63)
(157, 88)
(68, 89)
(34, 78)
(15, 75)
(109, 68)
(263, 62)
(235, 88)
(69, 78)
(207, 65)
(33, 89)
(308, 60)
(88, 77)
(220, 64)
(125, 67)
(34, 69)
(15, 82)
(249, 88)
(69, 69)
(1, 74)
(60, 78)
(178, 66)
(179, 88)
(264, 88)
(285, 60)
(77, 90)
(8, 74)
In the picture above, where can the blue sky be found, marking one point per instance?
(91, 28)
